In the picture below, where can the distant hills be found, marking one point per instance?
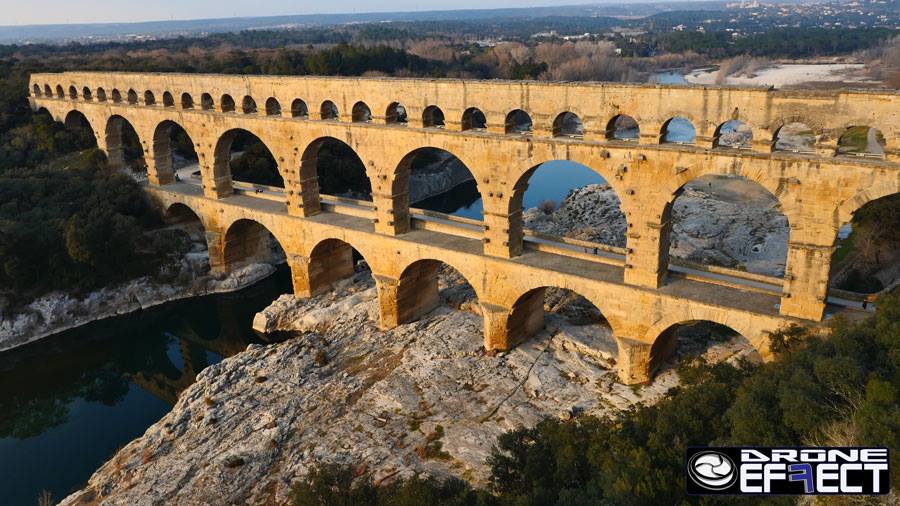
(61, 33)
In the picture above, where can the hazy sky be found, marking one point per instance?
(17, 12)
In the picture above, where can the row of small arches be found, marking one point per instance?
(735, 134)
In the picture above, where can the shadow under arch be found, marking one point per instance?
(169, 139)
(255, 165)
(336, 169)
(80, 127)
(437, 180)
(557, 182)
(591, 327)
(419, 290)
(123, 145)
(693, 338)
(749, 232)
(248, 242)
(330, 261)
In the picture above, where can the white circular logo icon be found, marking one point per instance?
(712, 470)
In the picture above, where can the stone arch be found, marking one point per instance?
(361, 113)
(206, 102)
(568, 124)
(116, 96)
(329, 111)
(474, 119)
(580, 173)
(433, 117)
(528, 314)
(36, 90)
(330, 261)
(866, 247)
(187, 101)
(59, 91)
(257, 163)
(763, 230)
(165, 145)
(299, 109)
(226, 103)
(149, 98)
(48, 91)
(623, 128)
(678, 130)
(861, 140)
(733, 134)
(189, 220)
(168, 99)
(273, 107)
(123, 144)
(418, 291)
(132, 97)
(518, 122)
(248, 105)
(248, 241)
(409, 190)
(665, 342)
(73, 92)
(395, 114)
(330, 166)
(101, 95)
(86, 94)
(76, 121)
(794, 136)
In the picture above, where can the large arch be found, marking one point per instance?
(694, 338)
(865, 258)
(123, 145)
(336, 169)
(187, 220)
(78, 124)
(414, 183)
(726, 221)
(330, 261)
(419, 291)
(247, 242)
(546, 199)
(255, 165)
(861, 140)
(530, 312)
(623, 128)
(173, 149)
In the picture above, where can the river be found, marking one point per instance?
(69, 401)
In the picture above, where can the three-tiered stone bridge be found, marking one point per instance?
(641, 293)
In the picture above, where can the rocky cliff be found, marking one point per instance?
(421, 398)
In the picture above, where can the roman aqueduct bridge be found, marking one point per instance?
(634, 287)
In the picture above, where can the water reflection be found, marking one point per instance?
(69, 401)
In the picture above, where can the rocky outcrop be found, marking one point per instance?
(432, 179)
(713, 223)
(421, 398)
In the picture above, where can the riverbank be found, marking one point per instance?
(57, 312)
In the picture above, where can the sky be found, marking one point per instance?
(16, 12)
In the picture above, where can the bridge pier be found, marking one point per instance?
(633, 364)
(215, 242)
(391, 212)
(647, 258)
(806, 280)
(410, 297)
